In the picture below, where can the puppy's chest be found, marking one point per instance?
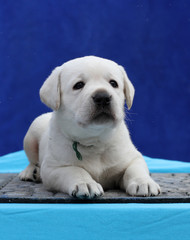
(89, 151)
(101, 164)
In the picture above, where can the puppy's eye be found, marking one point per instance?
(78, 85)
(113, 83)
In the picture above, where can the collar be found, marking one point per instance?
(78, 154)
(75, 148)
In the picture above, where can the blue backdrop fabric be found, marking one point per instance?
(94, 221)
(149, 38)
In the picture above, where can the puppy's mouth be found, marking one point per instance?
(102, 117)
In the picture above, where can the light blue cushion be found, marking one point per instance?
(17, 161)
(94, 221)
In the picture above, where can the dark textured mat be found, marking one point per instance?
(175, 189)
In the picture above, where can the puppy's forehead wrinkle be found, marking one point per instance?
(81, 76)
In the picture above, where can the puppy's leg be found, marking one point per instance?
(137, 181)
(32, 171)
(72, 180)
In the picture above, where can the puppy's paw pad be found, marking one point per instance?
(36, 174)
(87, 190)
(143, 187)
(31, 173)
(95, 190)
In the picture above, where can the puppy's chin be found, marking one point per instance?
(99, 120)
(102, 118)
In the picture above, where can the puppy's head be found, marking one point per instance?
(88, 91)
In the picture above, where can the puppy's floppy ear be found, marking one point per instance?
(50, 92)
(129, 90)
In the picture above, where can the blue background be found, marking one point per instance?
(151, 39)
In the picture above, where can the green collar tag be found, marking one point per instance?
(78, 155)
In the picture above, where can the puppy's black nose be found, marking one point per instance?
(102, 99)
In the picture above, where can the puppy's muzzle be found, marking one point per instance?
(103, 111)
(102, 99)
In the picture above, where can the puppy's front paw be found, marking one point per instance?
(31, 173)
(143, 187)
(87, 190)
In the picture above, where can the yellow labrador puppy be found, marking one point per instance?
(83, 147)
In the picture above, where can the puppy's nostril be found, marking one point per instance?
(101, 99)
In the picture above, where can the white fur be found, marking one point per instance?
(109, 158)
